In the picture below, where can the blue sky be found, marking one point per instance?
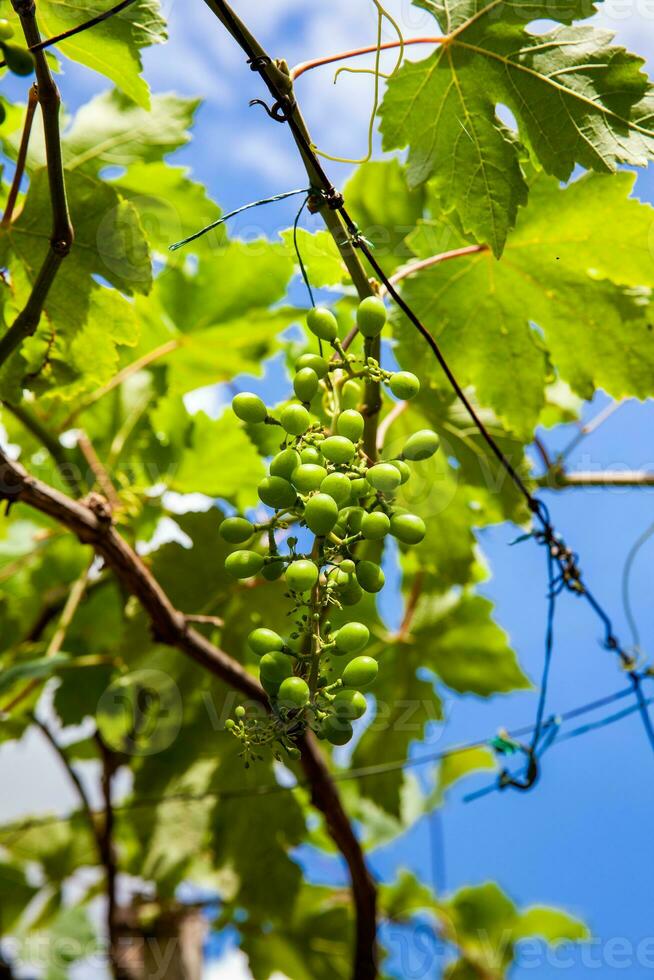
(582, 838)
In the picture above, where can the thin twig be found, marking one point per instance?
(62, 237)
(208, 620)
(108, 856)
(99, 472)
(397, 410)
(589, 428)
(411, 606)
(413, 267)
(305, 66)
(21, 160)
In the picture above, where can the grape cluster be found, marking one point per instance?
(322, 479)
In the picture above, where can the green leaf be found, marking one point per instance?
(322, 260)
(577, 100)
(457, 639)
(15, 895)
(222, 462)
(400, 900)
(111, 131)
(573, 267)
(461, 764)
(112, 47)
(31, 670)
(552, 925)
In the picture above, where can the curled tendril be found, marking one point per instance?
(382, 15)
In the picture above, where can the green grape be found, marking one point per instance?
(352, 637)
(313, 361)
(285, 463)
(295, 419)
(404, 385)
(270, 687)
(421, 445)
(244, 564)
(275, 667)
(276, 492)
(355, 518)
(360, 672)
(349, 590)
(311, 455)
(230, 725)
(240, 711)
(384, 477)
(305, 384)
(350, 424)
(308, 477)
(18, 59)
(321, 513)
(249, 408)
(293, 752)
(371, 316)
(338, 449)
(351, 395)
(350, 705)
(301, 575)
(336, 730)
(358, 488)
(6, 30)
(375, 526)
(408, 528)
(404, 470)
(370, 576)
(295, 692)
(322, 323)
(236, 529)
(337, 485)
(263, 640)
(273, 570)
(348, 566)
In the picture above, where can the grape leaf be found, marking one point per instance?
(112, 47)
(577, 100)
(573, 267)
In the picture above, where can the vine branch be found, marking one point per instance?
(305, 66)
(62, 236)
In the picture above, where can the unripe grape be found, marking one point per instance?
(275, 667)
(350, 594)
(338, 449)
(375, 526)
(336, 730)
(404, 470)
(350, 424)
(285, 463)
(321, 513)
(350, 705)
(249, 408)
(263, 640)
(308, 477)
(6, 30)
(322, 323)
(371, 316)
(276, 492)
(240, 711)
(337, 485)
(421, 445)
(358, 488)
(310, 454)
(295, 419)
(355, 518)
(370, 576)
(404, 385)
(360, 672)
(230, 725)
(351, 638)
(270, 687)
(236, 529)
(301, 575)
(384, 477)
(294, 692)
(348, 566)
(18, 59)
(244, 564)
(273, 570)
(313, 361)
(351, 395)
(305, 384)
(408, 528)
